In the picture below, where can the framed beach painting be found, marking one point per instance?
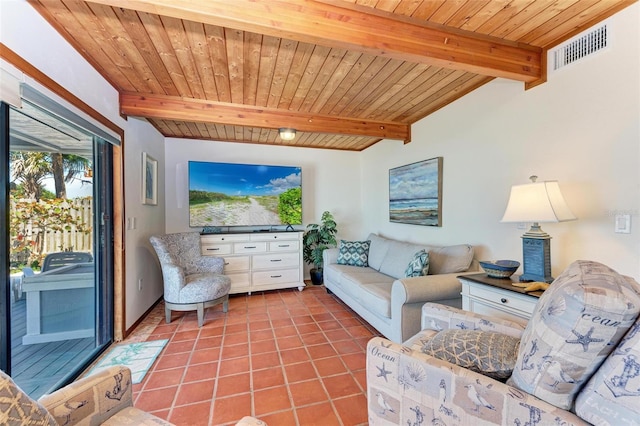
(415, 193)
(149, 180)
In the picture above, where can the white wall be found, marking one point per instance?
(581, 128)
(330, 179)
(142, 220)
(25, 32)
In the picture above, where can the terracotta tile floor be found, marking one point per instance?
(284, 356)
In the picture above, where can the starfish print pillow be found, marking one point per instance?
(577, 322)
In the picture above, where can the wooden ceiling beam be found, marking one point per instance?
(198, 110)
(339, 24)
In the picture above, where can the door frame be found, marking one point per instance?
(5, 308)
(117, 183)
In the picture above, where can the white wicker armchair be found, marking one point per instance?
(191, 281)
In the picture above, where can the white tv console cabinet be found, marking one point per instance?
(257, 261)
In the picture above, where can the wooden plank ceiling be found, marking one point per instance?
(344, 73)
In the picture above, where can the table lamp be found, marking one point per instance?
(537, 202)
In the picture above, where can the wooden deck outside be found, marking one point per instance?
(38, 367)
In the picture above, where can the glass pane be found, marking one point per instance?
(52, 249)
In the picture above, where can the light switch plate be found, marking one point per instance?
(623, 223)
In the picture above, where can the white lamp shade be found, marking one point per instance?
(537, 202)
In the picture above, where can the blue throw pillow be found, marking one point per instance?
(354, 253)
(419, 265)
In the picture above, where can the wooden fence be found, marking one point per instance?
(71, 239)
(76, 236)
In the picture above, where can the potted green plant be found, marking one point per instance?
(316, 239)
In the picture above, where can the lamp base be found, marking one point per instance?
(536, 256)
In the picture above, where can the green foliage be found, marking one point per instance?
(18, 192)
(202, 197)
(29, 220)
(290, 206)
(317, 238)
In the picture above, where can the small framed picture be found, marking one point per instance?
(149, 180)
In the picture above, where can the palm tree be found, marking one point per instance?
(57, 170)
(30, 169)
(72, 164)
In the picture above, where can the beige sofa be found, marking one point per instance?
(382, 295)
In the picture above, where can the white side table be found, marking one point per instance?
(497, 297)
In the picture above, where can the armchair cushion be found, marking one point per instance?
(204, 287)
(577, 322)
(485, 352)
(132, 416)
(439, 317)
(611, 396)
(17, 408)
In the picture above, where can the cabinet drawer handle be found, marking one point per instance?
(213, 249)
(276, 276)
(226, 263)
(283, 245)
(276, 260)
(249, 247)
(503, 300)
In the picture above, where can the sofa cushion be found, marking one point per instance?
(611, 396)
(354, 253)
(371, 289)
(450, 259)
(419, 265)
(485, 352)
(377, 298)
(398, 257)
(575, 325)
(377, 250)
(352, 276)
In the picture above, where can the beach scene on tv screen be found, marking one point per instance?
(226, 194)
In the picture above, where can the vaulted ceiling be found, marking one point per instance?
(344, 73)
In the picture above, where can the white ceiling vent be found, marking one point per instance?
(587, 44)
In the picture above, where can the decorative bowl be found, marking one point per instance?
(500, 268)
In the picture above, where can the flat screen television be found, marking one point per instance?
(230, 194)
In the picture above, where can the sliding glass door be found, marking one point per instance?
(58, 243)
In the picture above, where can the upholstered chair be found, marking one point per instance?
(469, 368)
(103, 398)
(191, 281)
